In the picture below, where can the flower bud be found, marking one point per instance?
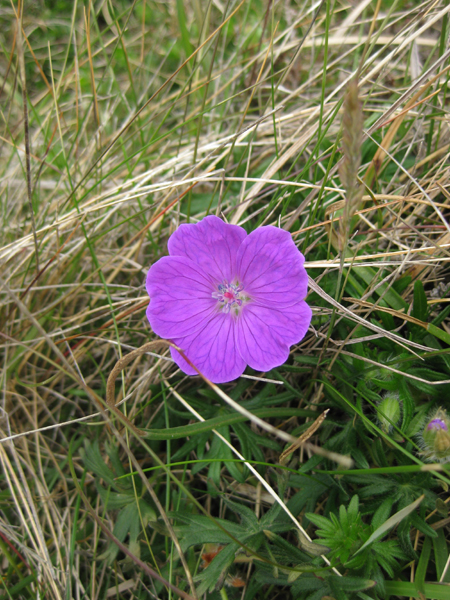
(389, 411)
(436, 437)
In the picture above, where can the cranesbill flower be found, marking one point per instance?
(229, 299)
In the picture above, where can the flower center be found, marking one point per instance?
(229, 296)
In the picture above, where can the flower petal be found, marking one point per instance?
(212, 350)
(264, 335)
(270, 267)
(211, 244)
(180, 297)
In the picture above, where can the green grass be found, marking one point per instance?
(139, 116)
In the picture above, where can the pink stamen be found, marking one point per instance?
(228, 295)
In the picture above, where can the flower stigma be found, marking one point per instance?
(229, 296)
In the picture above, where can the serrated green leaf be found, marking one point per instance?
(93, 461)
(248, 518)
(309, 583)
(391, 522)
(113, 453)
(126, 519)
(416, 423)
(336, 591)
(293, 554)
(382, 513)
(213, 577)
(353, 508)
(351, 584)
(343, 517)
(114, 500)
(293, 576)
(203, 530)
(321, 522)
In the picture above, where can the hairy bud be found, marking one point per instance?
(389, 411)
(435, 437)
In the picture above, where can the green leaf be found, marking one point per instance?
(433, 591)
(23, 583)
(113, 500)
(351, 584)
(408, 404)
(441, 507)
(293, 554)
(442, 316)
(389, 296)
(308, 583)
(126, 519)
(382, 513)
(336, 590)
(353, 508)
(183, 28)
(394, 520)
(227, 418)
(439, 333)
(248, 518)
(440, 555)
(113, 453)
(420, 305)
(93, 461)
(213, 577)
(422, 526)
(321, 522)
(343, 517)
(416, 423)
(306, 360)
(204, 530)
(311, 547)
(421, 571)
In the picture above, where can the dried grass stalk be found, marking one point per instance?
(352, 125)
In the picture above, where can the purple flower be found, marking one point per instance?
(435, 439)
(437, 424)
(229, 299)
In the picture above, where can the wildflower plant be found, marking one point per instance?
(229, 299)
(347, 536)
